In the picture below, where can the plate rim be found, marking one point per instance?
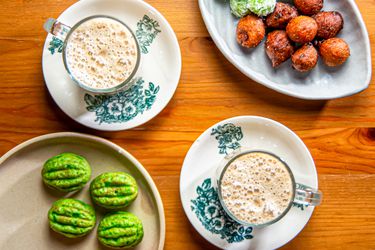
(107, 143)
(269, 84)
(232, 119)
(173, 91)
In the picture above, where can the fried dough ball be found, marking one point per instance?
(329, 23)
(281, 16)
(309, 7)
(305, 58)
(334, 51)
(302, 29)
(278, 47)
(250, 31)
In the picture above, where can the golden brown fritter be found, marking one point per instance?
(305, 58)
(329, 23)
(308, 7)
(281, 16)
(278, 47)
(302, 29)
(250, 31)
(334, 51)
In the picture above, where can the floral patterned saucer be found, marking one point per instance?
(155, 82)
(198, 189)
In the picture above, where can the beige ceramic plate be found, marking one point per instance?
(25, 201)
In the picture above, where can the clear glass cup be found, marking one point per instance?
(301, 194)
(63, 32)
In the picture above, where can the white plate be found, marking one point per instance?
(199, 194)
(321, 83)
(25, 200)
(158, 74)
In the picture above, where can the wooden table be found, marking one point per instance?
(339, 133)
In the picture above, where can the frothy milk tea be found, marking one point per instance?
(101, 53)
(256, 188)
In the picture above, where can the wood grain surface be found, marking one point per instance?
(340, 133)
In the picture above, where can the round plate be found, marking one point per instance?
(154, 84)
(322, 82)
(198, 190)
(26, 200)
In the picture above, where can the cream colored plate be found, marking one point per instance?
(25, 201)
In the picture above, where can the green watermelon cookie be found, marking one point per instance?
(66, 172)
(114, 190)
(120, 230)
(71, 218)
(262, 7)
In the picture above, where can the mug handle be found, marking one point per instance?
(56, 28)
(307, 196)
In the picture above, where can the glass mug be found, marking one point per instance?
(301, 194)
(64, 32)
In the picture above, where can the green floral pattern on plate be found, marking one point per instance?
(55, 45)
(125, 105)
(147, 30)
(228, 136)
(298, 205)
(210, 213)
(122, 106)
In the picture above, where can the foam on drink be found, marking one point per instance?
(101, 53)
(256, 188)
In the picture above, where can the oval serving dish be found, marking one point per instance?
(322, 83)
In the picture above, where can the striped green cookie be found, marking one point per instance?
(114, 190)
(120, 230)
(71, 218)
(66, 172)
